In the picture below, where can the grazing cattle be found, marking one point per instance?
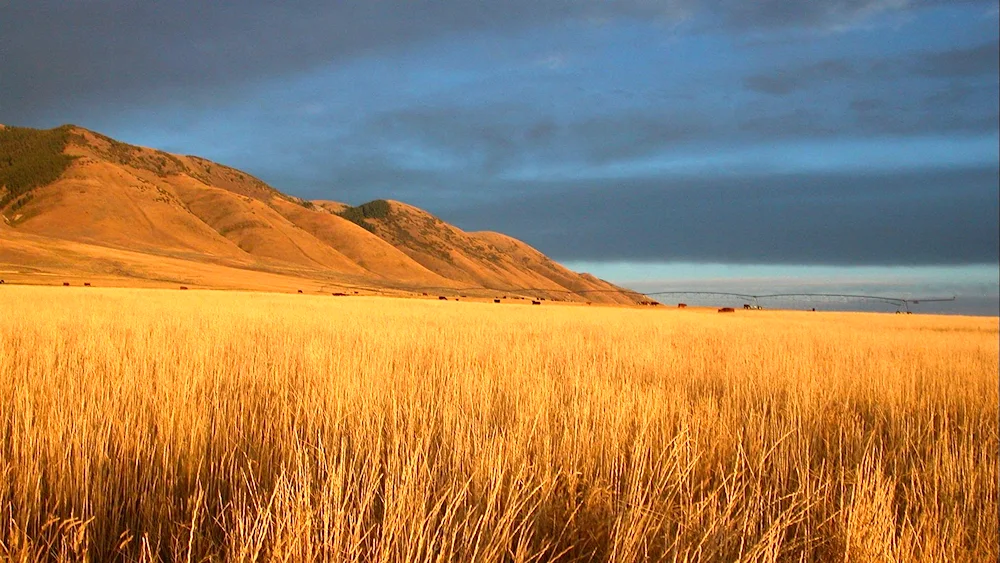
(746, 306)
(424, 294)
(496, 300)
(442, 298)
(536, 302)
(727, 310)
(65, 284)
(183, 287)
(355, 293)
(338, 294)
(300, 291)
(1, 281)
(682, 305)
(86, 284)
(814, 309)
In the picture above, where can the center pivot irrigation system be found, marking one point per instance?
(902, 304)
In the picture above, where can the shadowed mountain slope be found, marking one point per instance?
(67, 193)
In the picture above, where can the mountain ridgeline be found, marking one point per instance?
(75, 202)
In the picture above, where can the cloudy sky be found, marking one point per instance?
(836, 145)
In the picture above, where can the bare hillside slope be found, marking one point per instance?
(69, 185)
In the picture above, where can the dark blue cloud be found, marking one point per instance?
(942, 216)
(785, 81)
(59, 55)
(978, 60)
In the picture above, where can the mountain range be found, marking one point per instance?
(80, 207)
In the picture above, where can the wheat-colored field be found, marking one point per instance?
(164, 425)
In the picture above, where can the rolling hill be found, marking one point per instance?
(78, 205)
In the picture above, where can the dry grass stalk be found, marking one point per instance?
(200, 426)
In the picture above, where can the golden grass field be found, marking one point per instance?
(205, 426)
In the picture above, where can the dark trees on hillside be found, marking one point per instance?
(30, 158)
(377, 209)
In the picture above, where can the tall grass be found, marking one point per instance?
(153, 425)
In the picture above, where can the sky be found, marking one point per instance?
(839, 146)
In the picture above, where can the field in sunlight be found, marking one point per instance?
(168, 425)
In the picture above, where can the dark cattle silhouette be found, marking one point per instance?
(183, 287)
(463, 296)
(681, 305)
(338, 294)
(300, 291)
(746, 306)
(355, 293)
(1, 281)
(424, 294)
(86, 284)
(536, 302)
(727, 310)
(65, 284)
(496, 300)
(442, 298)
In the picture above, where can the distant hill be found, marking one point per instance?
(77, 203)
